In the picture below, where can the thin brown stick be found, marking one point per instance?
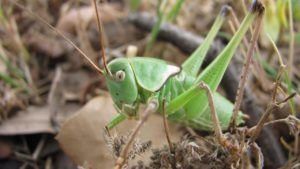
(214, 116)
(241, 86)
(245, 159)
(292, 42)
(233, 30)
(236, 24)
(100, 29)
(52, 100)
(258, 156)
(151, 108)
(296, 146)
(256, 130)
(39, 148)
(292, 121)
(276, 121)
(258, 70)
(166, 127)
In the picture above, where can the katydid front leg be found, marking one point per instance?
(115, 121)
(127, 111)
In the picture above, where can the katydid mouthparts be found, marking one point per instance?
(139, 80)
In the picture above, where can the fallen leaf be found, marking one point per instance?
(35, 120)
(82, 136)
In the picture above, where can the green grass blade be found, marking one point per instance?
(14, 70)
(134, 4)
(155, 31)
(175, 10)
(10, 81)
(291, 102)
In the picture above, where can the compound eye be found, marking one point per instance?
(120, 75)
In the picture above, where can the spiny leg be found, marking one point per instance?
(213, 113)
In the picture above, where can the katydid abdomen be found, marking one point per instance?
(180, 83)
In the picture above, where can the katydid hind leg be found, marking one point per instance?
(201, 120)
(213, 74)
(192, 65)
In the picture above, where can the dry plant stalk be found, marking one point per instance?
(166, 126)
(241, 87)
(151, 108)
(292, 42)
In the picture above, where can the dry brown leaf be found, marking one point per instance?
(34, 120)
(82, 136)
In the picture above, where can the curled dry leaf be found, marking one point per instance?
(82, 136)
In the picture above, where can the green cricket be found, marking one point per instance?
(133, 81)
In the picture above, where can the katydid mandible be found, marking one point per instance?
(139, 80)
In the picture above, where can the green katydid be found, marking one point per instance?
(139, 80)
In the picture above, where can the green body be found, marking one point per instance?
(138, 91)
(145, 79)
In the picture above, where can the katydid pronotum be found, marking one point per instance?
(140, 80)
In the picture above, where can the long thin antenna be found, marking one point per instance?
(62, 35)
(100, 28)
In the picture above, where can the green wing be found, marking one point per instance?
(151, 74)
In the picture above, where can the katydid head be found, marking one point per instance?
(120, 78)
(131, 78)
(122, 86)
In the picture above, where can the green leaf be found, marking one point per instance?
(296, 9)
(281, 12)
(271, 24)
